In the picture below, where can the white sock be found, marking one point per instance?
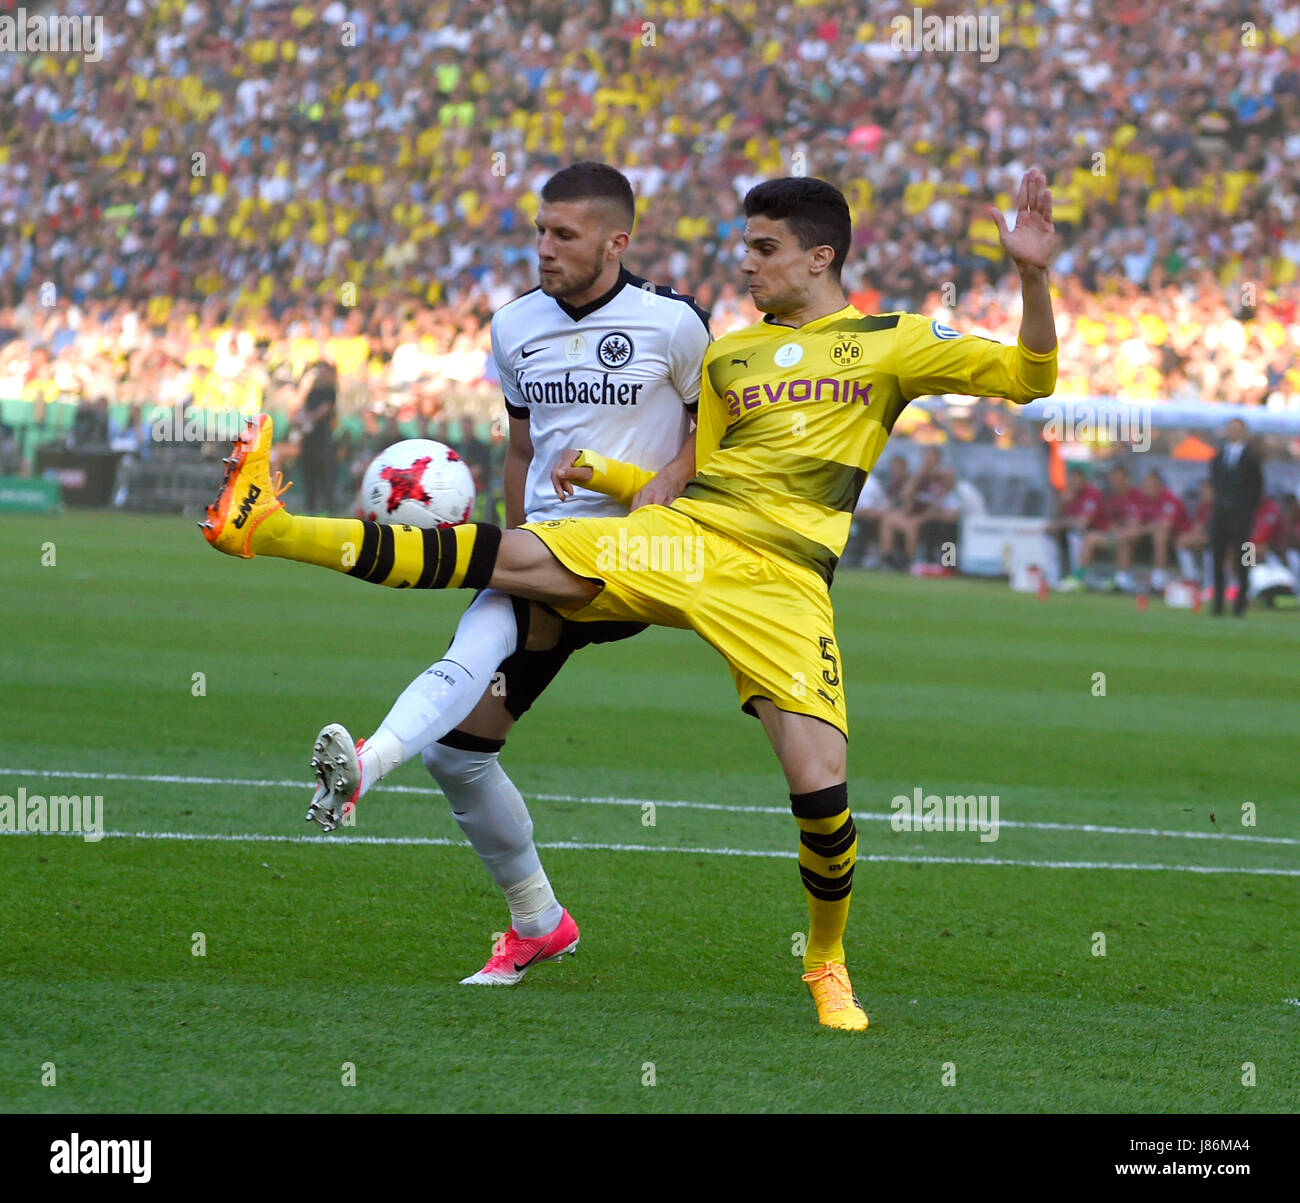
(382, 753)
(491, 812)
(1187, 562)
(1293, 561)
(440, 698)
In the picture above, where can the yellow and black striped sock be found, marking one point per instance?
(828, 848)
(400, 556)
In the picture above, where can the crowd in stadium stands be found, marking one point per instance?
(237, 191)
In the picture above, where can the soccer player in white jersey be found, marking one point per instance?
(593, 356)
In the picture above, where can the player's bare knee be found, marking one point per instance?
(807, 775)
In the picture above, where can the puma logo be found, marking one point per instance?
(246, 506)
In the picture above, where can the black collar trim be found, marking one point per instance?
(770, 318)
(577, 313)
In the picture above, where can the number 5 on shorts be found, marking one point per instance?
(830, 675)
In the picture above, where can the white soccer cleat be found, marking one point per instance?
(338, 776)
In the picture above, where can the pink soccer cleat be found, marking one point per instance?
(514, 955)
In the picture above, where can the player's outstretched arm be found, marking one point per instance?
(1032, 247)
(930, 360)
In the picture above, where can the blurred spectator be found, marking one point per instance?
(1079, 511)
(90, 426)
(10, 451)
(132, 436)
(476, 454)
(1266, 533)
(1195, 539)
(894, 510)
(923, 501)
(939, 525)
(1164, 519)
(1290, 541)
(1117, 529)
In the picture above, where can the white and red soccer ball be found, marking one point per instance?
(417, 482)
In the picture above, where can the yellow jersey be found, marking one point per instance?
(791, 420)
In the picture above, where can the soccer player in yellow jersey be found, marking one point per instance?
(794, 412)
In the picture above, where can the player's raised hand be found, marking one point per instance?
(564, 475)
(1032, 244)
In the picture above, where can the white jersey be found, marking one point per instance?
(619, 375)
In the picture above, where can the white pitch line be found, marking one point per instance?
(599, 800)
(576, 846)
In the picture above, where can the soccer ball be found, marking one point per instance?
(417, 482)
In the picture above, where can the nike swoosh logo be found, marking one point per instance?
(520, 968)
(524, 352)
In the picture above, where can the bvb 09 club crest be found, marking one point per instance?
(846, 351)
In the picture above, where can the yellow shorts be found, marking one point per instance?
(771, 619)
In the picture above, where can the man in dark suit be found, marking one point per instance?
(1238, 482)
(315, 406)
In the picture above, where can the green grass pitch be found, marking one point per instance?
(981, 980)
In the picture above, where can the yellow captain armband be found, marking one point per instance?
(612, 477)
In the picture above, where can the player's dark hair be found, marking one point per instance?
(592, 181)
(814, 209)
